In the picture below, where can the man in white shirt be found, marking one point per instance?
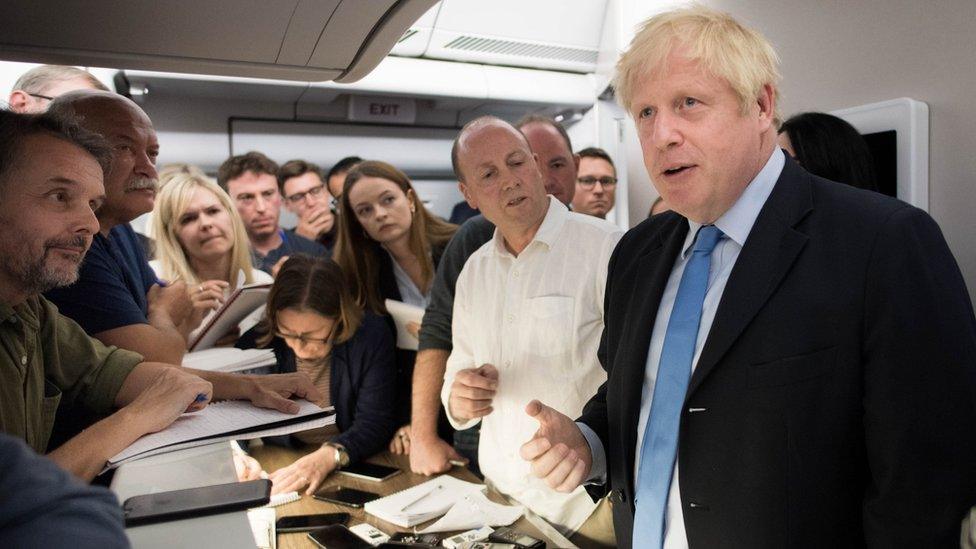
(527, 315)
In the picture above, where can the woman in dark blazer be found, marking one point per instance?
(314, 326)
(388, 247)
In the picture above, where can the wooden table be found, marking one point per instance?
(275, 457)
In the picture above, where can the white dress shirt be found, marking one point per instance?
(538, 318)
(736, 224)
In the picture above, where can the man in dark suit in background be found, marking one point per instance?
(792, 362)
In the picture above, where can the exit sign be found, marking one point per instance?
(387, 110)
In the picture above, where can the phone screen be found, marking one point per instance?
(338, 537)
(304, 523)
(195, 502)
(346, 496)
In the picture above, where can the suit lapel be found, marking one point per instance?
(653, 271)
(771, 249)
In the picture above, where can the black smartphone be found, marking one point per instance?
(520, 540)
(338, 536)
(196, 502)
(345, 496)
(369, 471)
(304, 523)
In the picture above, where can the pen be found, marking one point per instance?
(420, 497)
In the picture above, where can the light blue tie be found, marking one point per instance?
(660, 444)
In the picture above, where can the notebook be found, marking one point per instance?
(403, 313)
(229, 359)
(226, 420)
(242, 302)
(422, 502)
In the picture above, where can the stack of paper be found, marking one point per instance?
(227, 420)
(422, 502)
(229, 359)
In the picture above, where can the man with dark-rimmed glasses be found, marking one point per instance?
(306, 196)
(596, 183)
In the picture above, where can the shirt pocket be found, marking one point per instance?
(550, 329)
(49, 409)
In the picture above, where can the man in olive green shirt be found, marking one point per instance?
(51, 184)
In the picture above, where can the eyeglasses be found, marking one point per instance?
(587, 182)
(304, 340)
(314, 192)
(40, 96)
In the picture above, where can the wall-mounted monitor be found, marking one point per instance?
(897, 132)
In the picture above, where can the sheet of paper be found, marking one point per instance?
(402, 314)
(475, 510)
(213, 421)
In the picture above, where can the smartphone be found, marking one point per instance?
(369, 471)
(304, 523)
(338, 536)
(345, 496)
(196, 502)
(520, 540)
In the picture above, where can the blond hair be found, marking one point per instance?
(724, 47)
(174, 169)
(171, 203)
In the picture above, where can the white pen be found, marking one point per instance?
(420, 497)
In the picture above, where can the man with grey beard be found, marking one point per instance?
(51, 185)
(118, 299)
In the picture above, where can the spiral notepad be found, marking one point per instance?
(281, 499)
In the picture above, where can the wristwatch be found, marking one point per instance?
(341, 455)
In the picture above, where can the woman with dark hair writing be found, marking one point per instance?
(315, 326)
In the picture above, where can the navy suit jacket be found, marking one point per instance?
(363, 386)
(834, 402)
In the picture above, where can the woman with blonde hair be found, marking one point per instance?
(200, 239)
(388, 247)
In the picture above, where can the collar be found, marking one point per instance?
(7, 313)
(24, 312)
(736, 223)
(547, 233)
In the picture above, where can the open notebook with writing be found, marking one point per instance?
(422, 502)
(226, 420)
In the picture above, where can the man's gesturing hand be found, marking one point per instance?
(558, 452)
(472, 392)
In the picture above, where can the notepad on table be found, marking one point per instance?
(227, 420)
(422, 502)
(242, 302)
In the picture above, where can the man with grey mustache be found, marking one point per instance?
(118, 299)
